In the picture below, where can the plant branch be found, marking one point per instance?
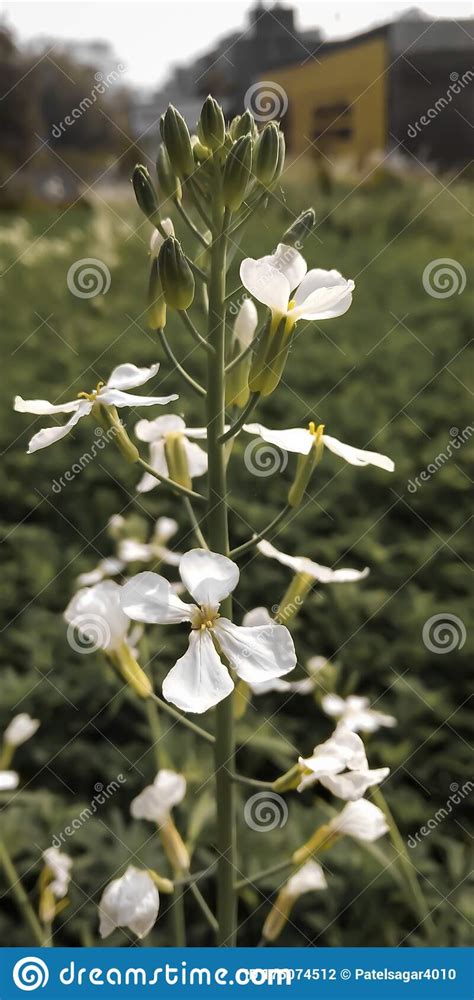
(182, 718)
(199, 389)
(237, 426)
(257, 876)
(205, 909)
(195, 333)
(20, 896)
(190, 224)
(246, 546)
(175, 487)
(190, 188)
(195, 523)
(241, 779)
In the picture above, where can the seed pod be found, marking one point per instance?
(267, 154)
(244, 125)
(300, 228)
(175, 135)
(237, 172)
(211, 127)
(145, 192)
(177, 279)
(168, 181)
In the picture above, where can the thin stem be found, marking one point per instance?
(182, 718)
(195, 523)
(274, 870)
(175, 487)
(241, 549)
(241, 779)
(190, 224)
(199, 389)
(196, 876)
(179, 925)
(195, 333)
(191, 189)
(205, 909)
(243, 354)
(255, 204)
(224, 752)
(20, 896)
(237, 426)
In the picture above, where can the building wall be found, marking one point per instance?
(340, 102)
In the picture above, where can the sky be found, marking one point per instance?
(150, 36)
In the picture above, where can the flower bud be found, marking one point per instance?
(281, 157)
(293, 598)
(237, 172)
(211, 127)
(145, 192)
(243, 125)
(174, 846)
(267, 154)
(177, 459)
(321, 840)
(131, 671)
(300, 228)
(156, 310)
(168, 181)
(177, 279)
(110, 421)
(175, 135)
(305, 466)
(237, 381)
(288, 781)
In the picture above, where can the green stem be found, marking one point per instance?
(241, 420)
(175, 487)
(243, 354)
(195, 333)
(20, 896)
(179, 925)
(195, 524)
(205, 909)
(190, 224)
(199, 389)
(191, 190)
(241, 549)
(274, 870)
(224, 751)
(241, 779)
(182, 718)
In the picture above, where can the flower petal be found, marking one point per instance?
(257, 616)
(301, 564)
(97, 615)
(157, 240)
(361, 820)
(266, 284)
(148, 597)
(115, 397)
(9, 780)
(256, 653)
(357, 456)
(288, 261)
(128, 376)
(42, 407)
(352, 785)
(208, 576)
(153, 430)
(165, 528)
(197, 458)
(131, 901)
(155, 801)
(198, 680)
(323, 295)
(49, 435)
(158, 462)
(296, 439)
(245, 324)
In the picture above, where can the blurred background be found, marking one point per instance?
(376, 103)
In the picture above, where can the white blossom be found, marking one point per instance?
(340, 764)
(362, 820)
(199, 679)
(301, 564)
(132, 550)
(97, 614)
(106, 568)
(308, 878)
(157, 433)
(130, 901)
(60, 866)
(155, 802)
(272, 279)
(9, 780)
(21, 728)
(112, 393)
(245, 324)
(301, 441)
(356, 714)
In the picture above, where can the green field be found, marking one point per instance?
(391, 375)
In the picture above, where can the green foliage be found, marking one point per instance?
(389, 375)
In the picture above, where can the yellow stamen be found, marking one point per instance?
(91, 396)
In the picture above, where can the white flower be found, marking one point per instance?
(159, 433)
(355, 713)
(9, 780)
(131, 550)
(300, 564)
(199, 680)
(315, 665)
(306, 879)
(21, 728)
(60, 866)
(301, 441)
(340, 764)
(112, 393)
(157, 800)
(245, 324)
(361, 820)
(130, 901)
(97, 614)
(104, 569)
(157, 240)
(319, 294)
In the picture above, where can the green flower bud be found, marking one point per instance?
(168, 181)
(300, 229)
(145, 192)
(177, 459)
(211, 127)
(177, 279)
(237, 172)
(176, 137)
(305, 466)
(244, 125)
(267, 153)
(156, 310)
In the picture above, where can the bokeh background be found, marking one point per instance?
(393, 211)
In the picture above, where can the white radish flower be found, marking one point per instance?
(130, 901)
(156, 801)
(301, 441)
(307, 879)
(301, 564)
(356, 714)
(9, 780)
(245, 324)
(272, 279)
(157, 240)
(59, 864)
(105, 568)
(21, 728)
(111, 393)
(199, 680)
(361, 820)
(96, 613)
(131, 550)
(340, 764)
(162, 434)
